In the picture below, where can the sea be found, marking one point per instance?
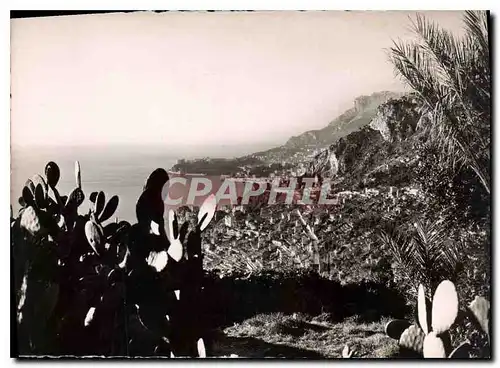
(116, 169)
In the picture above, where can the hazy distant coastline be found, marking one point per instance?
(188, 151)
(119, 169)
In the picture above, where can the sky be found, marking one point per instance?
(197, 78)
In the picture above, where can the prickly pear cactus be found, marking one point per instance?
(54, 273)
(30, 220)
(100, 212)
(94, 235)
(433, 346)
(395, 328)
(52, 173)
(89, 286)
(480, 309)
(185, 249)
(431, 337)
(347, 352)
(444, 307)
(413, 339)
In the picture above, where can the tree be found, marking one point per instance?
(451, 78)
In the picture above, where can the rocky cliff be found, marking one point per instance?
(333, 150)
(397, 119)
(364, 110)
(384, 143)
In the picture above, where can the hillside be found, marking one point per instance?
(387, 141)
(367, 238)
(363, 111)
(283, 280)
(381, 176)
(297, 149)
(385, 179)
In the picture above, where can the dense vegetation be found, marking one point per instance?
(409, 238)
(87, 286)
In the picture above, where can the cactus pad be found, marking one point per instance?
(157, 260)
(201, 348)
(444, 307)
(37, 179)
(28, 196)
(93, 196)
(30, 220)
(395, 328)
(109, 209)
(52, 173)
(412, 338)
(30, 186)
(99, 203)
(171, 226)
(78, 176)
(207, 211)
(93, 235)
(433, 346)
(462, 351)
(480, 308)
(75, 198)
(40, 198)
(423, 310)
(347, 352)
(175, 250)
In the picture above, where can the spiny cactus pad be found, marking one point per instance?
(30, 220)
(412, 338)
(175, 250)
(395, 328)
(99, 203)
(28, 196)
(201, 348)
(78, 176)
(347, 352)
(462, 351)
(40, 198)
(444, 307)
(52, 173)
(30, 186)
(157, 260)
(75, 198)
(93, 196)
(93, 235)
(109, 209)
(423, 310)
(37, 179)
(480, 308)
(207, 211)
(433, 346)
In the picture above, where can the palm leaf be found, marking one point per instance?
(425, 255)
(450, 76)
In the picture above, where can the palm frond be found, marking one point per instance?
(476, 23)
(450, 75)
(425, 256)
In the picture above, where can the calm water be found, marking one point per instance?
(120, 171)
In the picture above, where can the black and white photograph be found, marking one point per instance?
(281, 184)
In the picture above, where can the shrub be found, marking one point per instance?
(87, 286)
